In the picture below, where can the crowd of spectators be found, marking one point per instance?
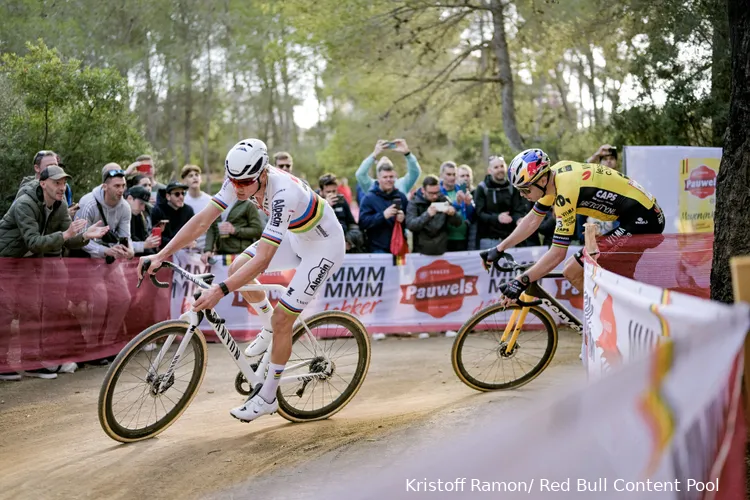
(131, 214)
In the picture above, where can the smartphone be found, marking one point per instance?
(397, 202)
(123, 242)
(144, 168)
(156, 231)
(613, 152)
(341, 197)
(163, 223)
(390, 145)
(441, 206)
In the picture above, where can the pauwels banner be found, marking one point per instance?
(698, 194)
(427, 294)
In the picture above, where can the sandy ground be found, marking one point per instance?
(51, 444)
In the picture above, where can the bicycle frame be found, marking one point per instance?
(517, 318)
(218, 324)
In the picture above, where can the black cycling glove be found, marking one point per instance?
(491, 256)
(515, 287)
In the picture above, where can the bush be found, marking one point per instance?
(79, 112)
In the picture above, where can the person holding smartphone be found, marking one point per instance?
(380, 209)
(329, 190)
(146, 239)
(403, 184)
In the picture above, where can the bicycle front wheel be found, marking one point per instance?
(134, 404)
(483, 361)
(337, 360)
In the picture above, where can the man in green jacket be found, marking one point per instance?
(240, 229)
(37, 225)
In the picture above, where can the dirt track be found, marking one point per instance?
(51, 444)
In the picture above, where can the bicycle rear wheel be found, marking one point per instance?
(131, 405)
(483, 362)
(344, 341)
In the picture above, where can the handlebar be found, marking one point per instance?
(202, 280)
(144, 271)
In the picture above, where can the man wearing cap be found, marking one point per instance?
(140, 222)
(37, 225)
(42, 160)
(172, 209)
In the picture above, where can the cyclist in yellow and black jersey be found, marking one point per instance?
(572, 188)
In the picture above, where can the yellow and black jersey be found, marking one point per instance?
(592, 190)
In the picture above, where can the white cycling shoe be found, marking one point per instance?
(260, 344)
(253, 408)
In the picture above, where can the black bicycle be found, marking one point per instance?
(501, 348)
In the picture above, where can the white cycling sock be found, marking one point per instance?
(265, 312)
(268, 391)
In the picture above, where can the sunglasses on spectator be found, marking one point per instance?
(177, 193)
(284, 165)
(243, 182)
(116, 173)
(495, 157)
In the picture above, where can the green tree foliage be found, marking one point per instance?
(78, 111)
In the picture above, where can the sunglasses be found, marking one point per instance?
(116, 173)
(41, 154)
(284, 165)
(178, 194)
(243, 182)
(495, 157)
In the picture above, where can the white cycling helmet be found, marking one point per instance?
(246, 160)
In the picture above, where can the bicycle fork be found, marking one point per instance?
(515, 323)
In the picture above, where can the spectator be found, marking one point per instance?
(345, 190)
(102, 307)
(284, 161)
(353, 235)
(105, 203)
(140, 180)
(172, 209)
(466, 184)
(195, 198)
(380, 209)
(143, 241)
(144, 165)
(42, 160)
(38, 224)
(463, 203)
(499, 207)
(237, 228)
(429, 223)
(403, 184)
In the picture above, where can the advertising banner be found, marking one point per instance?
(698, 194)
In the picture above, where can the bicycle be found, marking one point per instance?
(481, 341)
(159, 352)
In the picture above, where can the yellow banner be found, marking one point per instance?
(698, 194)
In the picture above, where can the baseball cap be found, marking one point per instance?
(53, 172)
(175, 185)
(139, 193)
(112, 170)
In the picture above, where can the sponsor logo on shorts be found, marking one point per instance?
(276, 212)
(640, 220)
(317, 276)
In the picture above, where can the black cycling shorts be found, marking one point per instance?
(639, 220)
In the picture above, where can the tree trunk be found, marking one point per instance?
(720, 77)
(208, 114)
(188, 81)
(562, 88)
(732, 217)
(151, 106)
(500, 45)
(171, 119)
(591, 84)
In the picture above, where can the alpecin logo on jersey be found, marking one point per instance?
(702, 182)
(317, 275)
(276, 212)
(439, 289)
